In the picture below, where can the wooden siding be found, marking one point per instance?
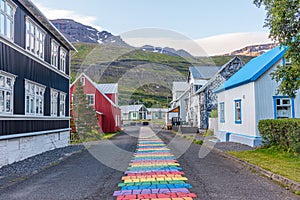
(19, 126)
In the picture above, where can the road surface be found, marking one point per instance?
(83, 176)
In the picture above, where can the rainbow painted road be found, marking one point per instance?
(154, 174)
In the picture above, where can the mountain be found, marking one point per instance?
(77, 32)
(253, 50)
(167, 51)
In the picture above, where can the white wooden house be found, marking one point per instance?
(178, 105)
(198, 77)
(250, 96)
(133, 112)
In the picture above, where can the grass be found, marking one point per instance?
(274, 160)
(108, 136)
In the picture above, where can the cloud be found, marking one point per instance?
(51, 13)
(226, 43)
(214, 45)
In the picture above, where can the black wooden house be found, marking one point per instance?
(34, 82)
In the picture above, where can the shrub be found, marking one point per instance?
(283, 133)
(208, 133)
(213, 114)
(200, 142)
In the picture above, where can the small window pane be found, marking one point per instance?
(278, 101)
(286, 102)
(2, 5)
(1, 101)
(2, 81)
(8, 101)
(2, 25)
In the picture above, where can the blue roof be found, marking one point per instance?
(203, 72)
(254, 69)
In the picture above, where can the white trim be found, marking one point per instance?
(94, 84)
(64, 101)
(31, 56)
(6, 90)
(54, 42)
(87, 98)
(36, 85)
(7, 137)
(29, 118)
(61, 51)
(42, 31)
(52, 92)
(14, 8)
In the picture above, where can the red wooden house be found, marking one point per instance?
(104, 98)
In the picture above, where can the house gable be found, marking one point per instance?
(254, 69)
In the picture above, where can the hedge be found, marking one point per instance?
(283, 133)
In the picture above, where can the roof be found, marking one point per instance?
(180, 86)
(131, 108)
(213, 78)
(108, 88)
(44, 20)
(203, 72)
(95, 85)
(157, 109)
(181, 96)
(254, 69)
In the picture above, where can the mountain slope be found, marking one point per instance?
(138, 72)
(77, 32)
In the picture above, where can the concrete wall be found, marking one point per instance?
(17, 149)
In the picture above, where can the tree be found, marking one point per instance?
(84, 116)
(283, 20)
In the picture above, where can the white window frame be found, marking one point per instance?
(54, 102)
(62, 104)
(35, 93)
(35, 39)
(90, 103)
(284, 113)
(63, 60)
(7, 27)
(54, 53)
(222, 112)
(82, 80)
(7, 82)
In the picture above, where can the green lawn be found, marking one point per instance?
(276, 161)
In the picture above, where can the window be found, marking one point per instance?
(54, 53)
(63, 58)
(7, 12)
(222, 112)
(238, 111)
(35, 39)
(6, 92)
(34, 98)
(54, 102)
(82, 80)
(284, 107)
(62, 104)
(90, 99)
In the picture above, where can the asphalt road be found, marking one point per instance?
(95, 173)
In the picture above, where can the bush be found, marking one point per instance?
(214, 114)
(283, 133)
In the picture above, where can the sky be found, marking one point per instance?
(216, 26)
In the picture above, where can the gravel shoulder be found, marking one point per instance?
(23, 169)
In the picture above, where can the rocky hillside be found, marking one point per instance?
(167, 51)
(253, 50)
(77, 32)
